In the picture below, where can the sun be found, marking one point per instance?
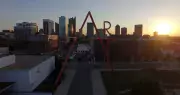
(163, 28)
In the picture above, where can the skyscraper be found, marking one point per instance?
(63, 27)
(123, 31)
(72, 26)
(56, 28)
(48, 26)
(90, 30)
(117, 30)
(138, 29)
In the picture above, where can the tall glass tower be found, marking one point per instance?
(63, 27)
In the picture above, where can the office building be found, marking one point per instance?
(23, 30)
(123, 31)
(72, 26)
(138, 30)
(56, 28)
(117, 30)
(48, 26)
(63, 27)
(90, 30)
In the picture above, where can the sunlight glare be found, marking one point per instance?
(163, 28)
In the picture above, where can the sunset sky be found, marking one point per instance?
(126, 13)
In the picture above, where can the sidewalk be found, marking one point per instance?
(64, 86)
(69, 75)
(97, 82)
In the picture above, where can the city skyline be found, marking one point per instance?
(125, 13)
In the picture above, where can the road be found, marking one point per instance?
(82, 83)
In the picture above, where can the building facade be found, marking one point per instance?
(72, 26)
(56, 28)
(117, 30)
(123, 31)
(63, 27)
(90, 30)
(23, 30)
(48, 26)
(138, 30)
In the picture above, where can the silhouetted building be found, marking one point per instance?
(123, 31)
(121, 50)
(101, 33)
(150, 50)
(48, 26)
(56, 27)
(63, 27)
(80, 33)
(146, 36)
(23, 30)
(155, 34)
(90, 30)
(138, 29)
(117, 30)
(70, 30)
(77, 34)
(98, 50)
(72, 26)
(6, 31)
(41, 31)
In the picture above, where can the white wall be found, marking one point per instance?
(4, 50)
(40, 72)
(26, 80)
(7, 60)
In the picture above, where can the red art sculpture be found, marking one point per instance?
(105, 46)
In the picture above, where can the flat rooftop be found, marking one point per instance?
(26, 62)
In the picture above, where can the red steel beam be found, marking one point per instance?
(84, 22)
(64, 63)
